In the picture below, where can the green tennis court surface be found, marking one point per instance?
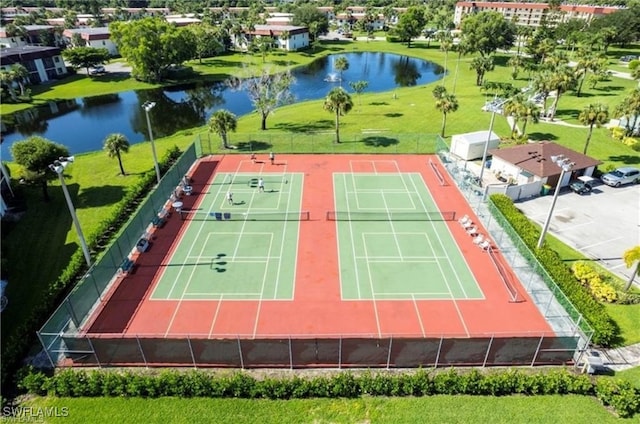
(394, 243)
(242, 251)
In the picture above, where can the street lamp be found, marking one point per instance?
(494, 107)
(147, 106)
(58, 167)
(566, 165)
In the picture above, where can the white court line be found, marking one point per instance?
(413, 293)
(373, 295)
(284, 233)
(453, 299)
(417, 260)
(415, 306)
(264, 280)
(353, 242)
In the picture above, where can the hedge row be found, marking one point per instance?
(606, 331)
(23, 336)
(620, 395)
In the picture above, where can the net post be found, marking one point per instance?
(144, 358)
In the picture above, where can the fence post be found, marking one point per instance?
(486, 356)
(94, 352)
(389, 354)
(535, 355)
(290, 354)
(340, 353)
(46, 349)
(438, 355)
(193, 357)
(144, 358)
(240, 351)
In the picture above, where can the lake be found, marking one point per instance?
(82, 124)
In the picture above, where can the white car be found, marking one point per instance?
(621, 176)
(97, 70)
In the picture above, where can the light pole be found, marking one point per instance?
(58, 167)
(494, 107)
(566, 165)
(147, 106)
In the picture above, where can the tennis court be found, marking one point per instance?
(394, 242)
(237, 249)
(343, 259)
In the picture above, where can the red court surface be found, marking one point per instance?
(317, 309)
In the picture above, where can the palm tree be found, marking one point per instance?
(542, 84)
(593, 115)
(516, 62)
(630, 256)
(529, 112)
(446, 43)
(115, 144)
(513, 108)
(339, 102)
(447, 103)
(482, 65)
(20, 75)
(359, 87)
(630, 110)
(563, 79)
(341, 64)
(221, 122)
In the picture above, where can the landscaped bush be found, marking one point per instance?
(606, 332)
(590, 278)
(620, 395)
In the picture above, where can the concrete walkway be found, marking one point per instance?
(622, 358)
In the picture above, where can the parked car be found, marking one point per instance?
(628, 58)
(97, 70)
(584, 185)
(621, 176)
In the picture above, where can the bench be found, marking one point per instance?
(158, 222)
(126, 266)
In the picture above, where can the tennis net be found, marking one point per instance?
(248, 216)
(391, 216)
(252, 181)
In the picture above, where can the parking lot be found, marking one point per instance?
(601, 225)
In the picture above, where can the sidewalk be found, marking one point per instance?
(621, 358)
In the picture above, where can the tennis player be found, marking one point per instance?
(261, 185)
(272, 157)
(230, 197)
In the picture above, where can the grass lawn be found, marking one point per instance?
(436, 409)
(39, 246)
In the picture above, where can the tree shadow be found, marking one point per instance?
(538, 136)
(626, 159)
(99, 196)
(253, 145)
(394, 115)
(323, 125)
(379, 141)
(284, 63)
(379, 103)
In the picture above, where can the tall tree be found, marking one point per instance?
(630, 257)
(486, 32)
(20, 76)
(151, 45)
(341, 64)
(358, 87)
(446, 44)
(86, 57)
(35, 154)
(593, 115)
(562, 80)
(482, 65)
(309, 16)
(266, 91)
(115, 144)
(208, 40)
(339, 102)
(629, 109)
(446, 104)
(410, 24)
(222, 122)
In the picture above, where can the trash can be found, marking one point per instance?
(546, 189)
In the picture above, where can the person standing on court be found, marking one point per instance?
(272, 157)
(261, 185)
(230, 197)
(253, 157)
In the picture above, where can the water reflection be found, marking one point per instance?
(83, 124)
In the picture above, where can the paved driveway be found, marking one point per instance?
(601, 225)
